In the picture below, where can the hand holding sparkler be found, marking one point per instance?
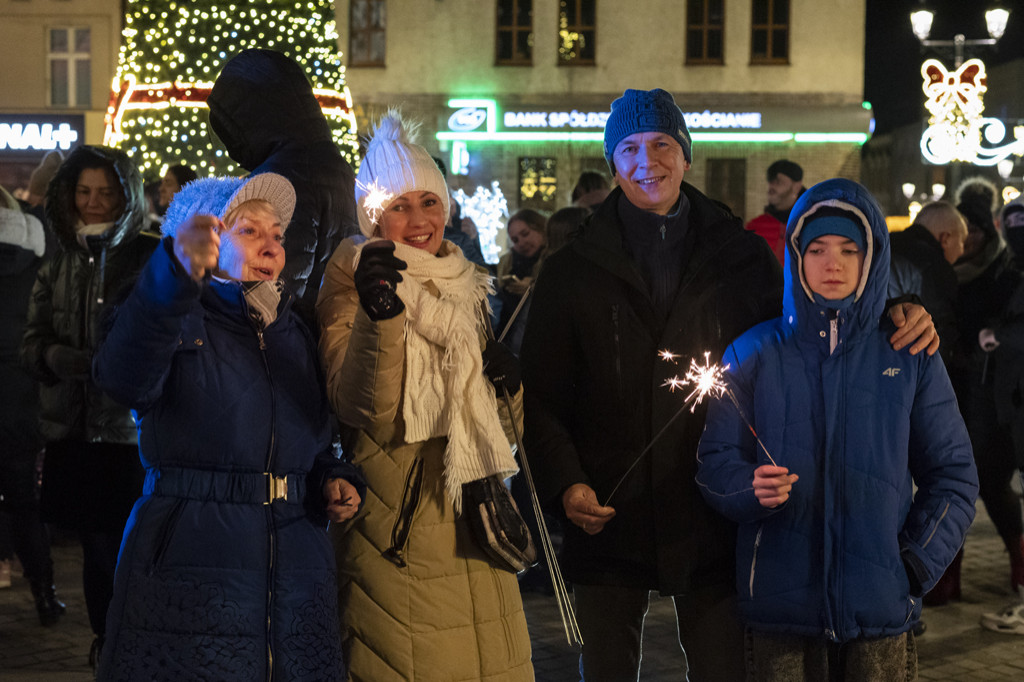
(582, 508)
(376, 278)
(772, 485)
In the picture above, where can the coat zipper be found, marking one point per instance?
(617, 340)
(753, 560)
(271, 545)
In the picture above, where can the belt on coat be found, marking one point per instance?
(225, 486)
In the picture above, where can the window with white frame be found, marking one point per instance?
(70, 67)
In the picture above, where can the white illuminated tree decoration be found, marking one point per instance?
(488, 209)
(956, 127)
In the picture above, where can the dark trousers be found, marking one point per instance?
(611, 621)
(99, 559)
(29, 537)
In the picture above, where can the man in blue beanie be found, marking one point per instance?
(658, 266)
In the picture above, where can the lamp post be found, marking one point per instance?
(995, 21)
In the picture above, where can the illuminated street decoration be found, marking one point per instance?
(171, 52)
(538, 180)
(486, 208)
(36, 136)
(956, 128)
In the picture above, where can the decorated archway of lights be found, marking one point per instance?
(957, 131)
(130, 96)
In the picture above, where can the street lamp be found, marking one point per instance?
(995, 21)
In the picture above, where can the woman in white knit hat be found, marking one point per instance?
(401, 313)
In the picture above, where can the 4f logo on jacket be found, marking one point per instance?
(891, 372)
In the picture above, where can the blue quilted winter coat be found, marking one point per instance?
(853, 549)
(214, 582)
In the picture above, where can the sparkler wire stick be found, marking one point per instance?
(515, 313)
(565, 610)
(746, 421)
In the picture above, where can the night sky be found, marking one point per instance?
(893, 55)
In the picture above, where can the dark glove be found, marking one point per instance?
(376, 277)
(501, 366)
(67, 362)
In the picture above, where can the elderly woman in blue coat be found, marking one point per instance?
(226, 571)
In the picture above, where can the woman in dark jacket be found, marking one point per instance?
(226, 570)
(96, 208)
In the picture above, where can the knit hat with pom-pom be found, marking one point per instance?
(394, 164)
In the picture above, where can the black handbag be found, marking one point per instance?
(496, 525)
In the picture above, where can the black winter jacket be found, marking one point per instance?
(264, 111)
(70, 294)
(595, 397)
(918, 266)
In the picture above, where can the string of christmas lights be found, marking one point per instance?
(171, 52)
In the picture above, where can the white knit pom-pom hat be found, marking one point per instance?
(394, 164)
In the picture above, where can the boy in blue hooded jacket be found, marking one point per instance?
(835, 548)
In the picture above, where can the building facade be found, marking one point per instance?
(514, 91)
(518, 90)
(59, 58)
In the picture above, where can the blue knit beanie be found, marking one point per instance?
(640, 111)
(832, 224)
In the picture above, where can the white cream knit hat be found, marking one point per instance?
(394, 164)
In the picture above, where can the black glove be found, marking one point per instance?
(67, 362)
(501, 366)
(376, 277)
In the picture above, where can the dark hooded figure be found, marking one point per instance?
(91, 477)
(263, 109)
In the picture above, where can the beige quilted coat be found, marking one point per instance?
(447, 614)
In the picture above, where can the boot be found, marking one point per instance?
(948, 587)
(1016, 549)
(49, 608)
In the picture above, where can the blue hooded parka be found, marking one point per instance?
(853, 549)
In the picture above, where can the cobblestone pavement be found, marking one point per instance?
(954, 648)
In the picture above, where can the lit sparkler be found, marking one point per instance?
(376, 199)
(706, 379)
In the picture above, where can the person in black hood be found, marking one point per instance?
(263, 109)
(91, 475)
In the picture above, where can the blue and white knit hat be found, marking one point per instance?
(218, 196)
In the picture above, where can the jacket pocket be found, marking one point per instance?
(403, 523)
(166, 533)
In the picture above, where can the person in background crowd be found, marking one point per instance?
(38, 181)
(176, 177)
(22, 246)
(563, 225)
(226, 570)
(402, 324)
(922, 264)
(591, 189)
(836, 482)
(658, 267)
(991, 363)
(785, 185)
(517, 270)
(263, 109)
(91, 473)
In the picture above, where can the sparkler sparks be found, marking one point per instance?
(375, 200)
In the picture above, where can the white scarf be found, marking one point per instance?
(446, 392)
(82, 231)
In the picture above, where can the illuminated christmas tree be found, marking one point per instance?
(171, 53)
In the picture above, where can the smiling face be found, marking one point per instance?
(525, 240)
(649, 168)
(98, 196)
(416, 219)
(832, 266)
(252, 243)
